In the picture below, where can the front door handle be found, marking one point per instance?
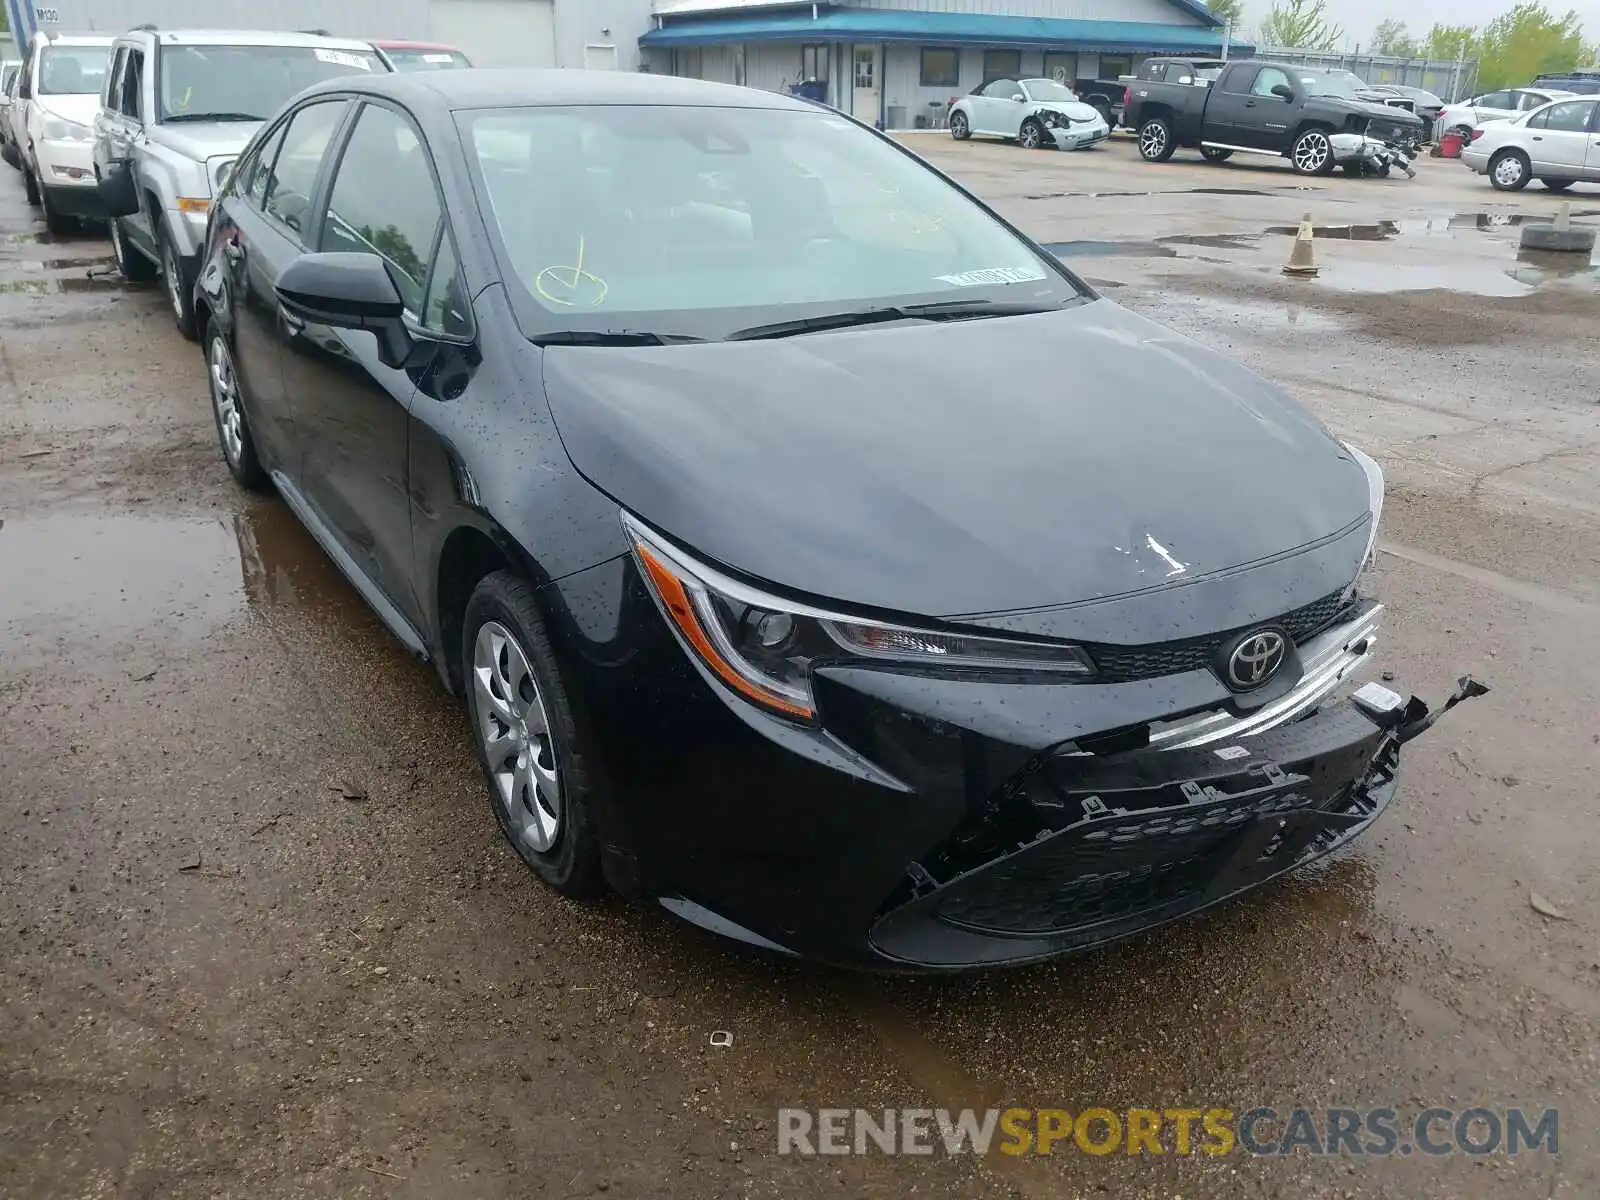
(233, 250)
(292, 322)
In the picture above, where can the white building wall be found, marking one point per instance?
(1159, 11)
(585, 27)
(497, 33)
(342, 18)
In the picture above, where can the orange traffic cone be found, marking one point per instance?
(1302, 258)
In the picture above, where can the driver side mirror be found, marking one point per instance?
(1284, 92)
(1019, 98)
(348, 291)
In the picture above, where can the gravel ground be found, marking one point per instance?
(259, 938)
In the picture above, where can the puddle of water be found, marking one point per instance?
(1215, 241)
(1171, 192)
(1208, 311)
(1439, 225)
(1376, 278)
(56, 286)
(1536, 267)
(61, 264)
(105, 574)
(1093, 249)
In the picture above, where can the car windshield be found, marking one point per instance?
(704, 220)
(1332, 83)
(73, 70)
(238, 83)
(1048, 89)
(426, 60)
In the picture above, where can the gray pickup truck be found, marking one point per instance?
(179, 107)
(1314, 119)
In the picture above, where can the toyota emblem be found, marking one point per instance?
(1256, 659)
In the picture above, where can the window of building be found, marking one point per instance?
(941, 66)
(814, 62)
(1002, 62)
(1115, 68)
(1063, 68)
(384, 201)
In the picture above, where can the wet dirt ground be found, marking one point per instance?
(259, 938)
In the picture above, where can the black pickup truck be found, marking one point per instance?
(1312, 118)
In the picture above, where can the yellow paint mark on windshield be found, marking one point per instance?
(571, 286)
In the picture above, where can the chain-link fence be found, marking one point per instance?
(1451, 80)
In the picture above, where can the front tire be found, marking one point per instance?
(1556, 185)
(526, 737)
(1215, 154)
(131, 265)
(1032, 135)
(1312, 153)
(29, 187)
(180, 299)
(959, 129)
(227, 406)
(54, 220)
(1510, 170)
(1156, 143)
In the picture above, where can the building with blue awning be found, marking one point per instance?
(899, 63)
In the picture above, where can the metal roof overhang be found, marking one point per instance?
(938, 28)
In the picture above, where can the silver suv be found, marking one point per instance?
(179, 106)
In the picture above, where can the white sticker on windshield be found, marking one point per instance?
(993, 275)
(343, 58)
(442, 58)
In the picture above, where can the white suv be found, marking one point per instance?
(179, 106)
(58, 94)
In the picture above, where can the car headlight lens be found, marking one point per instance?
(221, 170)
(58, 129)
(1374, 503)
(764, 647)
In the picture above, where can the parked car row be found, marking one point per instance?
(175, 107)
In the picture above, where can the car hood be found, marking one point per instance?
(979, 467)
(1367, 108)
(78, 109)
(1071, 109)
(203, 140)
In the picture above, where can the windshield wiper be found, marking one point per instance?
(942, 310)
(612, 337)
(175, 118)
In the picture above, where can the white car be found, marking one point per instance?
(1558, 144)
(58, 95)
(1466, 115)
(1035, 113)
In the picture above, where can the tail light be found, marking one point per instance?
(1127, 97)
(1478, 133)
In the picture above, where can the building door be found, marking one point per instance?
(499, 33)
(864, 93)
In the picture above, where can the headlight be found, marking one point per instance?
(1374, 502)
(764, 647)
(221, 170)
(57, 129)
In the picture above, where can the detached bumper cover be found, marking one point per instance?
(1141, 839)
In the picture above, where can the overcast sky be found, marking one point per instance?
(1358, 18)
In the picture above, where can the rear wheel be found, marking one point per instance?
(1215, 154)
(1104, 109)
(959, 129)
(1032, 135)
(1312, 153)
(227, 406)
(177, 284)
(1510, 171)
(1156, 143)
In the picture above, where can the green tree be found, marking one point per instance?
(1300, 25)
(1451, 42)
(1527, 41)
(1228, 10)
(1391, 37)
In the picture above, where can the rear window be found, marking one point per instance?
(246, 83)
(427, 60)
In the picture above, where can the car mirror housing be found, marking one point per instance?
(348, 291)
(1284, 92)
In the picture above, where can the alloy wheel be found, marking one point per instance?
(1029, 136)
(1312, 152)
(515, 730)
(225, 395)
(1153, 139)
(174, 278)
(958, 126)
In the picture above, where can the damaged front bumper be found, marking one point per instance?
(1374, 153)
(1131, 842)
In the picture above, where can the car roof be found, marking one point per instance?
(250, 37)
(511, 87)
(401, 44)
(77, 39)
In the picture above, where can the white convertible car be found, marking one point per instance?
(1035, 113)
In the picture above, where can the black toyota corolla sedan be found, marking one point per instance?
(816, 555)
